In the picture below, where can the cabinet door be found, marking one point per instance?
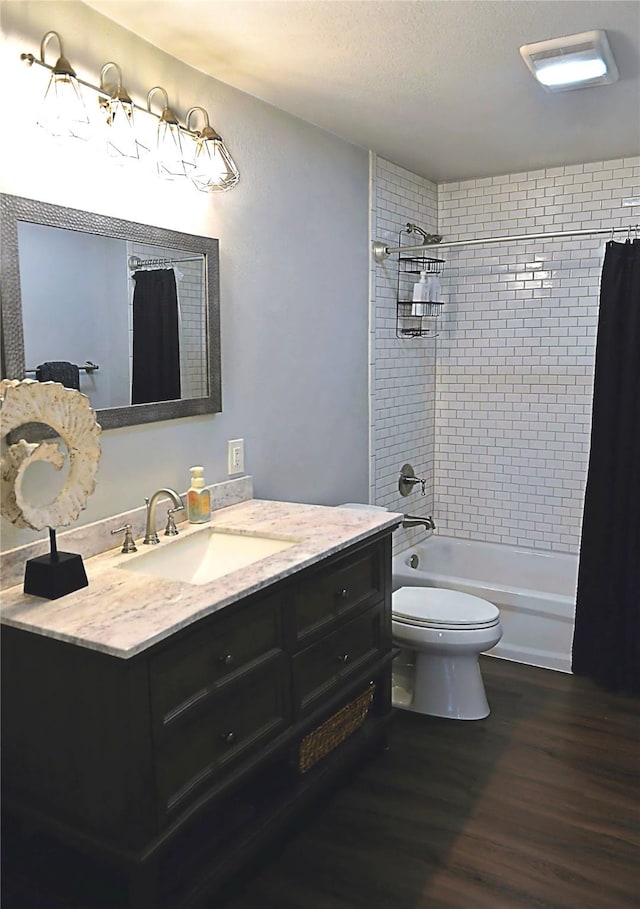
(342, 589)
(320, 670)
(244, 717)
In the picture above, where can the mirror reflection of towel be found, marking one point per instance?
(61, 371)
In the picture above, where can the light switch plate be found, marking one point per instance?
(235, 457)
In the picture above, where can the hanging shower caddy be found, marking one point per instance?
(415, 320)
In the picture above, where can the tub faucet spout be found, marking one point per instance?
(412, 520)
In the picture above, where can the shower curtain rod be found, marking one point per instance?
(382, 252)
(134, 262)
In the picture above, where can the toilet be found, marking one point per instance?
(441, 634)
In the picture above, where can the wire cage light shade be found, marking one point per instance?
(214, 170)
(63, 112)
(119, 118)
(171, 155)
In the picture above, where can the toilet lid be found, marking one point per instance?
(434, 607)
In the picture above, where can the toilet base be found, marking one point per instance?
(440, 685)
(449, 687)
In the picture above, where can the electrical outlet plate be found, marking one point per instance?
(235, 457)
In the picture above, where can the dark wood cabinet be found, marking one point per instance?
(323, 668)
(175, 766)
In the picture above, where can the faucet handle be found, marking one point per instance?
(171, 530)
(128, 544)
(408, 480)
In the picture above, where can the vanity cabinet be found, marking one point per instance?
(167, 771)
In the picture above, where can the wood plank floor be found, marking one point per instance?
(536, 806)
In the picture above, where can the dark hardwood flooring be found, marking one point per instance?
(537, 806)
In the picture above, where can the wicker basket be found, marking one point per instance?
(335, 730)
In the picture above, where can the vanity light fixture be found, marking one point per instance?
(214, 169)
(575, 61)
(180, 150)
(118, 107)
(63, 112)
(170, 154)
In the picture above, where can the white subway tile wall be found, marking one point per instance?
(516, 351)
(496, 412)
(402, 424)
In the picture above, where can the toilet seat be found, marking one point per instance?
(435, 607)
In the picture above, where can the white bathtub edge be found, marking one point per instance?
(529, 617)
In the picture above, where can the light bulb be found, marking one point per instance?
(571, 70)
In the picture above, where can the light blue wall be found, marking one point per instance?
(294, 272)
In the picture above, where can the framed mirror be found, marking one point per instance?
(126, 312)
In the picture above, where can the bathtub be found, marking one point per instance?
(534, 591)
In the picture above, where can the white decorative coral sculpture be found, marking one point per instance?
(70, 415)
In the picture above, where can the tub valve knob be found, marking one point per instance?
(408, 480)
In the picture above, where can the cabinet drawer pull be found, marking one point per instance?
(343, 594)
(228, 737)
(343, 657)
(226, 659)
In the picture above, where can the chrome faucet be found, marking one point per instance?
(412, 520)
(150, 535)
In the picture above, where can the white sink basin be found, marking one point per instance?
(205, 555)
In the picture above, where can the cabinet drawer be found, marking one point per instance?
(325, 665)
(186, 674)
(248, 714)
(347, 587)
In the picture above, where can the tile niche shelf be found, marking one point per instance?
(416, 320)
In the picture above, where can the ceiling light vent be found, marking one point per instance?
(575, 61)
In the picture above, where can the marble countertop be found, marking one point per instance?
(123, 612)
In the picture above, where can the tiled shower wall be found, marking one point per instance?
(402, 370)
(516, 352)
(503, 435)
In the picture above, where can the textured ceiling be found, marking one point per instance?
(436, 86)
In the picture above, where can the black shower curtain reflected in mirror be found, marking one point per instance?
(156, 346)
(606, 642)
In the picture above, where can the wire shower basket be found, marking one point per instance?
(416, 319)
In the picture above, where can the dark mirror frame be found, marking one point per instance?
(17, 208)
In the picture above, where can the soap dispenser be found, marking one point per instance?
(198, 498)
(420, 295)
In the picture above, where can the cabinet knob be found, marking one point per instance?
(343, 657)
(228, 737)
(343, 594)
(226, 659)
